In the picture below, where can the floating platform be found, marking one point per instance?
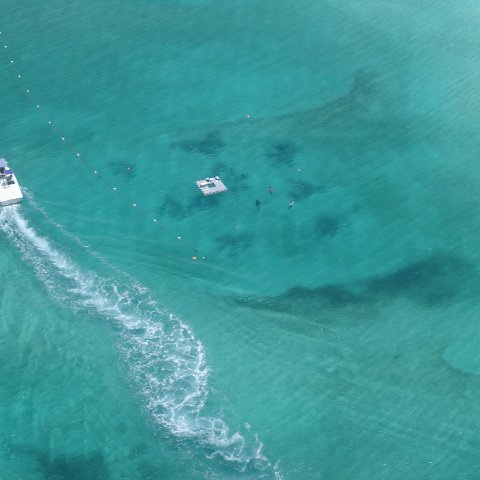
(10, 192)
(211, 185)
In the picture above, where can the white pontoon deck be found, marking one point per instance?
(211, 185)
(10, 192)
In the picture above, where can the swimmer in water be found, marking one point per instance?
(258, 203)
(291, 203)
(270, 190)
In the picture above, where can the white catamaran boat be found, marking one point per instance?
(10, 192)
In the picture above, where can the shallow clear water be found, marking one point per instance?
(335, 339)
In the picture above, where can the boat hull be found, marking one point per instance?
(10, 194)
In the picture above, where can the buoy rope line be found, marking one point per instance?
(56, 132)
(91, 168)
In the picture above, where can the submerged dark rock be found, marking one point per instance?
(236, 181)
(301, 189)
(178, 210)
(430, 282)
(72, 467)
(126, 170)
(327, 226)
(199, 202)
(282, 153)
(172, 208)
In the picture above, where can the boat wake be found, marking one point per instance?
(166, 362)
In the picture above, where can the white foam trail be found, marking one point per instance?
(166, 361)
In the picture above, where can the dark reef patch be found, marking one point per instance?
(200, 202)
(73, 467)
(126, 170)
(236, 181)
(176, 210)
(326, 226)
(282, 153)
(301, 190)
(172, 208)
(305, 301)
(331, 295)
(430, 282)
(210, 144)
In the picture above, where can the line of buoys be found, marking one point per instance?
(194, 255)
(90, 167)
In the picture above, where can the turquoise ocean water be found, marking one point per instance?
(337, 339)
